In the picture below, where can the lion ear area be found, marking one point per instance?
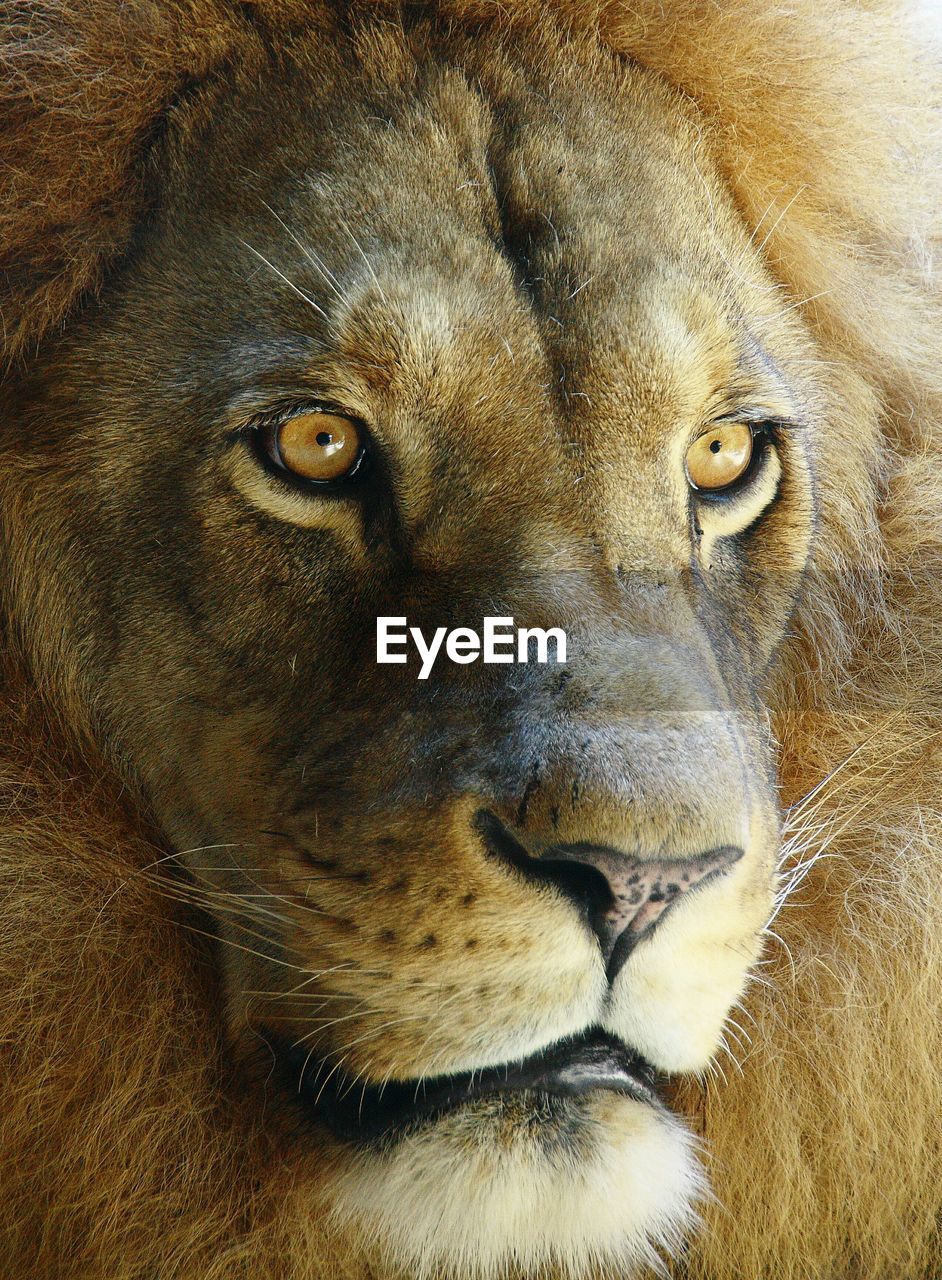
(820, 115)
(84, 87)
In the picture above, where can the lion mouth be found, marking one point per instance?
(366, 1113)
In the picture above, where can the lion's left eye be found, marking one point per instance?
(318, 446)
(720, 457)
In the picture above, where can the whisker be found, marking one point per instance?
(281, 276)
(803, 302)
(309, 253)
(369, 265)
(203, 933)
(774, 226)
(344, 1050)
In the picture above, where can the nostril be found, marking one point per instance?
(582, 884)
(622, 896)
(580, 881)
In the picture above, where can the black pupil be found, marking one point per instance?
(715, 446)
(324, 438)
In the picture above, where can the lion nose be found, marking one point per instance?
(622, 895)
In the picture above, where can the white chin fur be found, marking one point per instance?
(481, 1194)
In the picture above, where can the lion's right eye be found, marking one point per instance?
(720, 457)
(319, 447)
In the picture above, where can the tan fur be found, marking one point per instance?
(823, 1140)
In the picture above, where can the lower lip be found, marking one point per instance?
(367, 1114)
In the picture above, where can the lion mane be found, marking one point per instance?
(126, 1149)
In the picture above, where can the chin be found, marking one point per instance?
(567, 1163)
(530, 1185)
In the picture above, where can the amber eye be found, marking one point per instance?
(317, 446)
(719, 457)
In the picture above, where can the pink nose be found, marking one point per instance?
(640, 890)
(622, 896)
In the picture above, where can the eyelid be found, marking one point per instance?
(755, 418)
(279, 412)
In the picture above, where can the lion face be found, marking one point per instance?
(466, 922)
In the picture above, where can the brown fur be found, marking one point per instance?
(824, 1148)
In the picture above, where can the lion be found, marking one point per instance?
(617, 320)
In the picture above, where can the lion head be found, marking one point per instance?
(439, 318)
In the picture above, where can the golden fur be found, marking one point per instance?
(821, 1135)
